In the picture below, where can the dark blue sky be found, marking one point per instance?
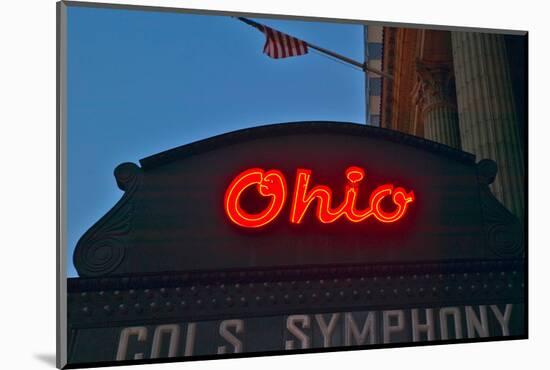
(143, 82)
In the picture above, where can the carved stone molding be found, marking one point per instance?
(436, 85)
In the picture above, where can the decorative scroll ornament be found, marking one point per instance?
(102, 248)
(503, 231)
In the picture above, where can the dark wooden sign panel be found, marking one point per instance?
(172, 215)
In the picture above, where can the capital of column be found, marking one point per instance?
(435, 86)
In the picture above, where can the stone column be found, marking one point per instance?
(435, 96)
(487, 112)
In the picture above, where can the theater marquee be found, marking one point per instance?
(295, 237)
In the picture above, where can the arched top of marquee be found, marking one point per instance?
(303, 128)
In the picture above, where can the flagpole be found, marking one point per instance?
(343, 58)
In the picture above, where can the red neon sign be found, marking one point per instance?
(272, 184)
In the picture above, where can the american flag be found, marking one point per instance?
(280, 45)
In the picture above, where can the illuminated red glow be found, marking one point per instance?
(269, 184)
(272, 184)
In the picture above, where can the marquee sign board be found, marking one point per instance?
(296, 236)
(172, 216)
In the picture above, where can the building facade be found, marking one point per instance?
(462, 89)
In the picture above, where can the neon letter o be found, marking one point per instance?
(269, 184)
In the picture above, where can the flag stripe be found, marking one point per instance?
(293, 45)
(280, 45)
(286, 43)
(275, 41)
(269, 38)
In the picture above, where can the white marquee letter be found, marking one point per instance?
(229, 337)
(428, 327)
(503, 320)
(388, 328)
(294, 330)
(448, 311)
(351, 329)
(174, 331)
(473, 323)
(190, 339)
(140, 331)
(327, 330)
